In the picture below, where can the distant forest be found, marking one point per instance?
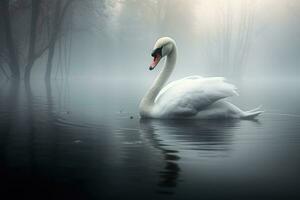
(41, 33)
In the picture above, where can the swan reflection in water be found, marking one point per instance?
(174, 138)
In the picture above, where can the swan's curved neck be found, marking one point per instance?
(148, 100)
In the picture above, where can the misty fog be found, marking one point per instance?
(72, 76)
(114, 38)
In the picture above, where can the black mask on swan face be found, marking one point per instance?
(162, 47)
(156, 51)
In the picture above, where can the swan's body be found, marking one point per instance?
(190, 97)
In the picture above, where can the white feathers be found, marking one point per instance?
(190, 95)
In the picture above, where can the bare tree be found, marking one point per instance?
(227, 46)
(244, 36)
(60, 12)
(23, 48)
(11, 48)
(32, 41)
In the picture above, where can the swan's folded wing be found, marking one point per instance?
(174, 83)
(189, 95)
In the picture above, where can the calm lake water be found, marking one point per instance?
(84, 140)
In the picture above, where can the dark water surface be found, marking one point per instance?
(76, 140)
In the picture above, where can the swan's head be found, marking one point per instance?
(162, 47)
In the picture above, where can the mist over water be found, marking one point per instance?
(80, 136)
(85, 140)
(237, 39)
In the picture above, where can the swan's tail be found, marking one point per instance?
(251, 114)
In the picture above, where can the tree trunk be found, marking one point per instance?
(49, 62)
(12, 53)
(54, 35)
(60, 12)
(32, 40)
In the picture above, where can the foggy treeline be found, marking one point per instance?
(53, 39)
(31, 30)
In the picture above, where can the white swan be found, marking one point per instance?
(190, 97)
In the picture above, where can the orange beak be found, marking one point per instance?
(155, 61)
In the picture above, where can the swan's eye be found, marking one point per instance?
(157, 51)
